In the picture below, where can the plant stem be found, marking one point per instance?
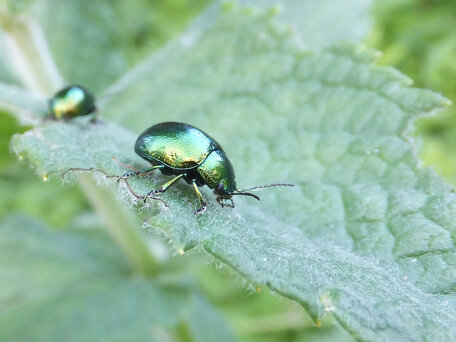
(29, 55)
(118, 224)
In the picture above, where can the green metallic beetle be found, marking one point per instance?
(187, 152)
(70, 102)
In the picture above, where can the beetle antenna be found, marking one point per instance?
(266, 186)
(243, 193)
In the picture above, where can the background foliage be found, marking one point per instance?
(419, 38)
(424, 54)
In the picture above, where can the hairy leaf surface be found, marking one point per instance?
(367, 233)
(323, 22)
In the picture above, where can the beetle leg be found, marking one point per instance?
(223, 203)
(165, 186)
(139, 172)
(93, 120)
(203, 204)
(230, 205)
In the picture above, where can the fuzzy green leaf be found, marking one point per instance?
(116, 35)
(29, 108)
(51, 280)
(5, 73)
(367, 234)
(97, 41)
(323, 22)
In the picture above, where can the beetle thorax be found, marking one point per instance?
(217, 173)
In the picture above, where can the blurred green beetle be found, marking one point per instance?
(185, 151)
(71, 101)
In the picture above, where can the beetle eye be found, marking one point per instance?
(220, 189)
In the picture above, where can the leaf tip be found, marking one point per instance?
(373, 54)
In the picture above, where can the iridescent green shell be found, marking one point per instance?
(70, 102)
(217, 168)
(185, 149)
(177, 145)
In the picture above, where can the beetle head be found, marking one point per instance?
(227, 189)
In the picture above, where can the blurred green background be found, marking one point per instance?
(418, 37)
